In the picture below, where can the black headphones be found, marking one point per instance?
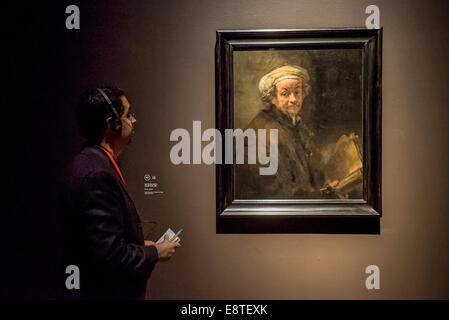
(116, 123)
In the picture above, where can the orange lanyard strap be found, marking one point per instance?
(115, 164)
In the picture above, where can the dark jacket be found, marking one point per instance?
(102, 232)
(299, 162)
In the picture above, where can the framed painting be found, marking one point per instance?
(300, 111)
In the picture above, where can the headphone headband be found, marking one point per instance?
(109, 102)
(117, 116)
(104, 95)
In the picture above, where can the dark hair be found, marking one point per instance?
(93, 110)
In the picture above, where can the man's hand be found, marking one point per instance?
(329, 188)
(166, 249)
(149, 243)
(330, 191)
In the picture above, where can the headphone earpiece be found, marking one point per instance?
(115, 122)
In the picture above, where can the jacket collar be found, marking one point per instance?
(282, 118)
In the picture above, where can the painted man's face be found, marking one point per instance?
(288, 97)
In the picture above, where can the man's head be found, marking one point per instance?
(97, 119)
(285, 88)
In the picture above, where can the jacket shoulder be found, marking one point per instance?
(90, 161)
(263, 120)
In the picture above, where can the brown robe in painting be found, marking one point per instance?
(298, 175)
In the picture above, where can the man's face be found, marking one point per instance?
(128, 120)
(288, 97)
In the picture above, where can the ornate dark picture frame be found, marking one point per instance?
(360, 216)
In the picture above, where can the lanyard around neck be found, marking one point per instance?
(114, 163)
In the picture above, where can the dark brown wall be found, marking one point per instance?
(162, 54)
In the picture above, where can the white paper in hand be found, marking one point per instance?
(170, 234)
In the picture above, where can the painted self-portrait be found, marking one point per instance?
(313, 99)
